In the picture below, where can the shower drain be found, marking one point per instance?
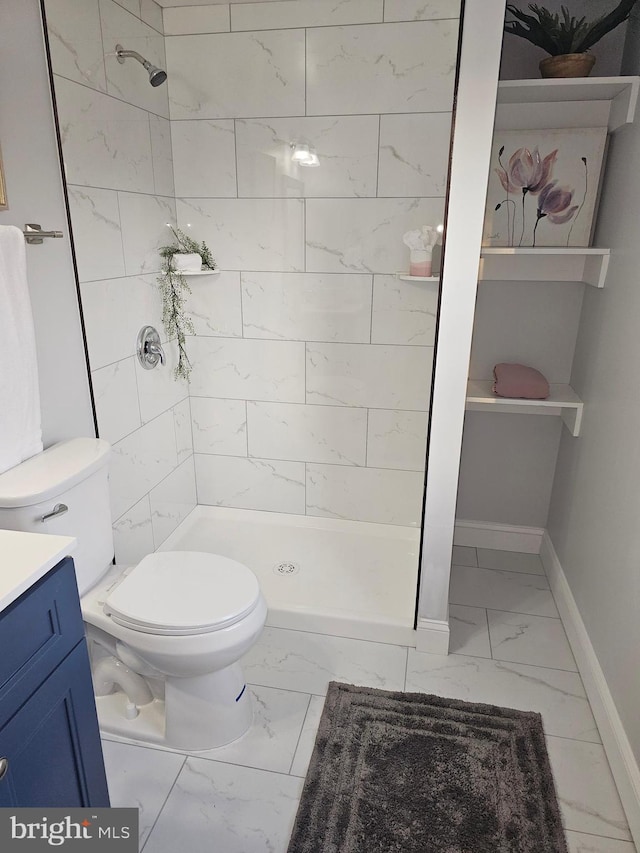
(286, 567)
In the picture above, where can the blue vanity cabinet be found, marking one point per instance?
(50, 752)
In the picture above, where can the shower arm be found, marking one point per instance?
(156, 75)
(123, 54)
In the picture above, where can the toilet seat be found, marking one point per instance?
(183, 592)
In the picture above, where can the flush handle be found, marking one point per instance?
(59, 509)
(4, 767)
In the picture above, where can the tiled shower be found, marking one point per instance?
(311, 361)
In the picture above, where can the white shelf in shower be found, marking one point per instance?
(201, 272)
(562, 400)
(404, 276)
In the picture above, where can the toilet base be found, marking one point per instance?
(197, 714)
(148, 726)
(207, 711)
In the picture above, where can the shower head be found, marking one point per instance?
(156, 75)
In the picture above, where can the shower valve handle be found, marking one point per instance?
(154, 350)
(149, 349)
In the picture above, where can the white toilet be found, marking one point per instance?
(165, 636)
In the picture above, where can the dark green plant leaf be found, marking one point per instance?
(559, 35)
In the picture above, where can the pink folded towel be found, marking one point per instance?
(518, 380)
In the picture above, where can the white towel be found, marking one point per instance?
(20, 427)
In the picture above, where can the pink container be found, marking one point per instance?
(420, 263)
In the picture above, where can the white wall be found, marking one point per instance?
(593, 518)
(35, 194)
(312, 364)
(117, 155)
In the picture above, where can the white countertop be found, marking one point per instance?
(25, 558)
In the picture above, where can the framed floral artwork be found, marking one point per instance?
(544, 186)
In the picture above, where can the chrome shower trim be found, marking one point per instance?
(156, 75)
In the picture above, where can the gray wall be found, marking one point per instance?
(508, 461)
(507, 467)
(595, 506)
(34, 189)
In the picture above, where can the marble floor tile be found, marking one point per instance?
(538, 640)
(510, 561)
(271, 741)
(469, 631)
(580, 842)
(586, 791)
(308, 737)
(140, 778)
(559, 696)
(243, 798)
(463, 555)
(296, 660)
(513, 591)
(221, 807)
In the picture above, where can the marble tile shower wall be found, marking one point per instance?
(117, 156)
(312, 362)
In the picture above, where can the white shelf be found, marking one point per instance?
(617, 95)
(552, 263)
(562, 401)
(201, 272)
(404, 276)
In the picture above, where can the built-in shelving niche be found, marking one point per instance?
(536, 104)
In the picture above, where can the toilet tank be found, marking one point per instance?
(72, 473)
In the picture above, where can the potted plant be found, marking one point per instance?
(175, 289)
(565, 38)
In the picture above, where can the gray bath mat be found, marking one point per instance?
(412, 773)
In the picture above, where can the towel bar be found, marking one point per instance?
(34, 234)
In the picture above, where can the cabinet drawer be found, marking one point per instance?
(37, 631)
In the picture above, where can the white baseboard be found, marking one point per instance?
(432, 636)
(501, 537)
(614, 739)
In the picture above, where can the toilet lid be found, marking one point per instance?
(183, 592)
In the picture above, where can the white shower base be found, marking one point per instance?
(344, 578)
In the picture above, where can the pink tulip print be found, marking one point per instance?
(526, 172)
(554, 203)
(541, 190)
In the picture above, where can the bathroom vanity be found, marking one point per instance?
(50, 752)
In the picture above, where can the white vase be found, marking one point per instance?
(187, 262)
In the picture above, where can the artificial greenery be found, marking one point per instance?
(562, 34)
(175, 289)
